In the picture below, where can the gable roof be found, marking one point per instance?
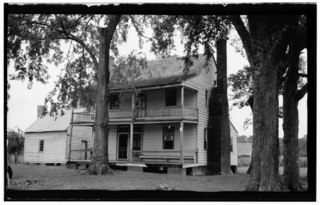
(166, 71)
(234, 127)
(50, 123)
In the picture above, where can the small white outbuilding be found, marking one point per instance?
(46, 139)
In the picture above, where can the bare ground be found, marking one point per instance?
(40, 177)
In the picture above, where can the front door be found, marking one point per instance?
(136, 148)
(123, 146)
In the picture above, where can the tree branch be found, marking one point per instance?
(302, 92)
(244, 35)
(71, 37)
(137, 29)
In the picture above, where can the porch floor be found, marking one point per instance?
(138, 164)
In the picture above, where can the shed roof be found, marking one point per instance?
(166, 71)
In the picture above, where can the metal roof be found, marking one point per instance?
(51, 123)
(168, 70)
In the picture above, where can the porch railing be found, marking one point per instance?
(167, 156)
(157, 112)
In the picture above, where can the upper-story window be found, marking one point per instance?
(171, 97)
(142, 101)
(114, 101)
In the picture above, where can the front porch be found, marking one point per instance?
(152, 166)
(168, 144)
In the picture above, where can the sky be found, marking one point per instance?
(23, 102)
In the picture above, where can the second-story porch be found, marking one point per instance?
(161, 104)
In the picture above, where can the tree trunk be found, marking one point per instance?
(250, 102)
(225, 121)
(290, 126)
(100, 161)
(265, 43)
(265, 148)
(15, 157)
(219, 125)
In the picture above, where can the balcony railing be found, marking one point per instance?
(148, 113)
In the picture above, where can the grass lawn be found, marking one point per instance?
(27, 177)
(40, 177)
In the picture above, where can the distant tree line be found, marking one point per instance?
(302, 144)
(15, 144)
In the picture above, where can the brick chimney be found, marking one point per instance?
(40, 109)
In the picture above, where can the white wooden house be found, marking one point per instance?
(164, 126)
(46, 139)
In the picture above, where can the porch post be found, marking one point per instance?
(181, 142)
(70, 137)
(181, 125)
(131, 128)
(182, 100)
(131, 142)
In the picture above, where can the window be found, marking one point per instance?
(168, 137)
(205, 140)
(171, 97)
(136, 143)
(114, 101)
(231, 147)
(207, 95)
(142, 101)
(41, 145)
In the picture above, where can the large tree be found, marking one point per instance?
(33, 38)
(265, 39)
(15, 143)
(294, 89)
(289, 81)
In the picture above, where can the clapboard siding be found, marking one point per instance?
(153, 138)
(190, 98)
(79, 134)
(156, 98)
(53, 151)
(112, 146)
(202, 82)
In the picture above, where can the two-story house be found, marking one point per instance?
(162, 126)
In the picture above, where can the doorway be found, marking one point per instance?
(123, 146)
